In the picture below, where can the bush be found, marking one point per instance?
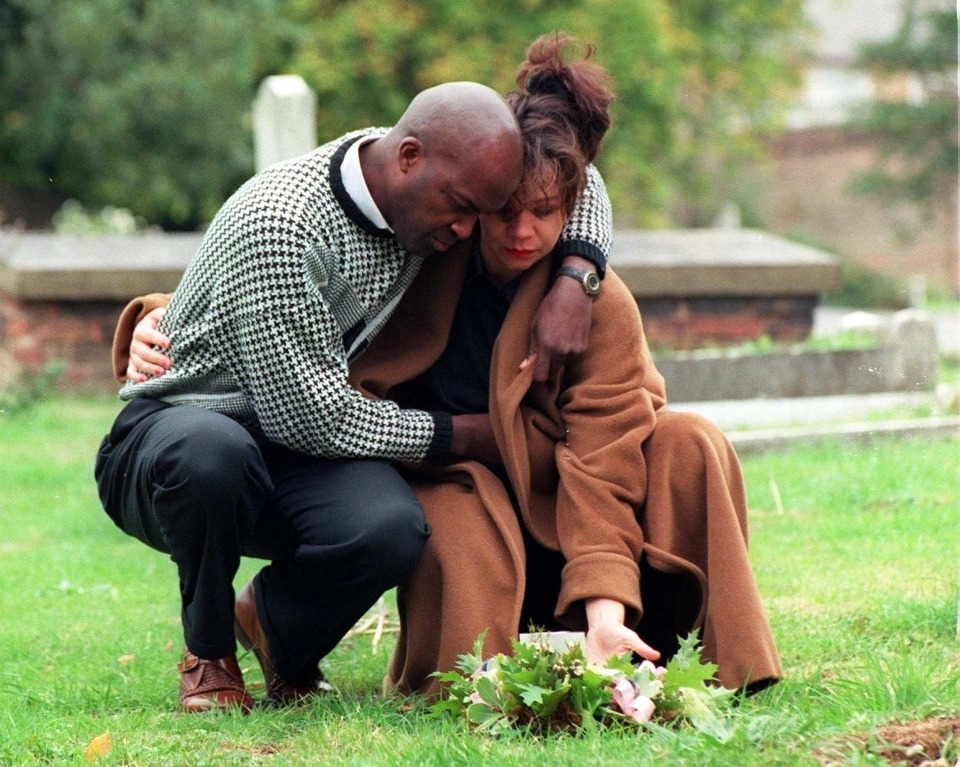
(141, 105)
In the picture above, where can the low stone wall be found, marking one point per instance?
(60, 295)
(709, 287)
(905, 360)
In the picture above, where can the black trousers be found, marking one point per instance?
(197, 485)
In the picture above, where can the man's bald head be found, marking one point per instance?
(455, 153)
(463, 114)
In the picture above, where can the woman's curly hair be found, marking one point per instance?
(563, 111)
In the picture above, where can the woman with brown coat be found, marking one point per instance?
(608, 512)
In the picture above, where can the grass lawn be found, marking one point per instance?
(855, 548)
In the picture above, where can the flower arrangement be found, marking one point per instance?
(545, 690)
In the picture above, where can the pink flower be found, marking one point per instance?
(658, 671)
(638, 707)
(475, 697)
(642, 709)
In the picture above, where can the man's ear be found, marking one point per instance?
(409, 154)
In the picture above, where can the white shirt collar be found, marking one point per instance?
(356, 186)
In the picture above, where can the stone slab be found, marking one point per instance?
(707, 262)
(42, 266)
(719, 262)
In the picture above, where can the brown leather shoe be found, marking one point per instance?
(209, 685)
(249, 633)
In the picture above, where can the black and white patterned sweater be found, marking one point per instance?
(289, 284)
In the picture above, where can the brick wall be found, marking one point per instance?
(79, 333)
(807, 193)
(34, 334)
(691, 323)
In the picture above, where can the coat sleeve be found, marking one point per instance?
(608, 404)
(132, 313)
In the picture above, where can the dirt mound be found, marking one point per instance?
(920, 743)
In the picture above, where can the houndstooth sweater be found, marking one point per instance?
(289, 285)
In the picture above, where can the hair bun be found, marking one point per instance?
(548, 83)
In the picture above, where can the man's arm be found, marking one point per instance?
(140, 348)
(138, 354)
(561, 325)
(286, 351)
(589, 231)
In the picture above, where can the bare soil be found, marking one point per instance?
(916, 744)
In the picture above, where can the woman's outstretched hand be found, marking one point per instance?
(608, 637)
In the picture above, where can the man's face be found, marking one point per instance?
(440, 198)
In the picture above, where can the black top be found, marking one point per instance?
(459, 381)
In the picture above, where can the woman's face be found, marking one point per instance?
(521, 234)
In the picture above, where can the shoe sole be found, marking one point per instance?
(323, 687)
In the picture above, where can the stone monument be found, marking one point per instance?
(284, 120)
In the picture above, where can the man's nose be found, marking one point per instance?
(463, 227)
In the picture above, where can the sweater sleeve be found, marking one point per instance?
(132, 313)
(609, 405)
(589, 230)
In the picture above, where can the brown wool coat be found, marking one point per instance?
(601, 470)
(646, 505)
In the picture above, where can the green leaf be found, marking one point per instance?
(544, 702)
(622, 663)
(470, 663)
(445, 707)
(480, 714)
(532, 695)
(487, 691)
(686, 669)
(589, 693)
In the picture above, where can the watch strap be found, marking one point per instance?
(587, 279)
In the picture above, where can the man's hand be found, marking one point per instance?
(473, 438)
(561, 325)
(607, 636)
(145, 360)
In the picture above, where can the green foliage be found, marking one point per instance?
(689, 76)
(71, 218)
(741, 66)
(542, 690)
(133, 103)
(143, 104)
(860, 287)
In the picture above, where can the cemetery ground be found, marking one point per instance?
(855, 549)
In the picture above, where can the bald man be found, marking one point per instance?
(253, 443)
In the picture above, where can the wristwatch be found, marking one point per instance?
(589, 280)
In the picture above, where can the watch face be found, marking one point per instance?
(591, 284)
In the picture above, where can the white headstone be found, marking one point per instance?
(284, 119)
